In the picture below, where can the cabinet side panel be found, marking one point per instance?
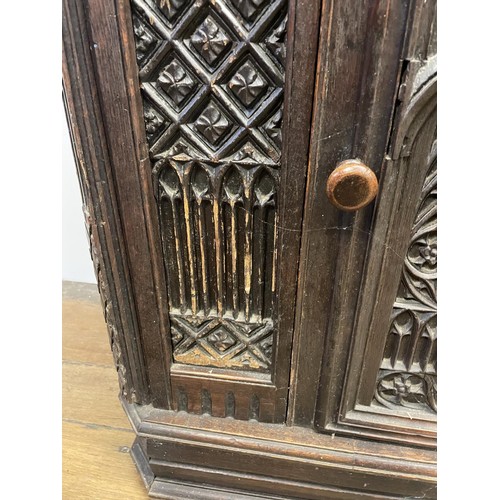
(99, 203)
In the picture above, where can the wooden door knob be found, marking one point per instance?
(351, 186)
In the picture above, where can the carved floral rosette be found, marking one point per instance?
(410, 390)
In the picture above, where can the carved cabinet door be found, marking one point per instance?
(367, 300)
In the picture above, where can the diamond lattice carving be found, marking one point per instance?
(197, 53)
(222, 343)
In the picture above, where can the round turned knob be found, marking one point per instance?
(351, 186)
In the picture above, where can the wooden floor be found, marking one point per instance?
(96, 432)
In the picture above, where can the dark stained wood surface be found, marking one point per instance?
(352, 69)
(115, 108)
(296, 127)
(272, 459)
(299, 79)
(108, 248)
(359, 61)
(118, 96)
(345, 401)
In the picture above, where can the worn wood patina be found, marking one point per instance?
(268, 343)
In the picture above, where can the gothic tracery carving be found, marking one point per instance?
(409, 365)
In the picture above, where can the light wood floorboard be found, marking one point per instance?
(96, 433)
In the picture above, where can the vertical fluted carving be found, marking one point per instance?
(219, 227)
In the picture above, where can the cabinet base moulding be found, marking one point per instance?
(180, 455)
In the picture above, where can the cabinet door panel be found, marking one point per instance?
(360, 50)
(378, 377)
(390, 387)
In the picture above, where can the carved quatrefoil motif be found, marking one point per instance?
(276, 42)
(210, 40)
(221, 339)
(248, 8)
(212, 123)
(176, 82)
(410, 390)
(144, 40)
(172, 8)
(267, 347)
(273, 127)
(153, 121)
(247, 84)
(423, 253)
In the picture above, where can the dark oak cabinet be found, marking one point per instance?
(260, 191)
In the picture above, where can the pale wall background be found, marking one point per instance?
(76, 262)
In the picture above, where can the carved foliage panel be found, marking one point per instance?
(212, 76)
(408, 371)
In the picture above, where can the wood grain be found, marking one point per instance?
(99, 199)
(90, 393)
(97, 465)
(107, 65)
(367, 280)
(84, 336)
(346, 69)
(96, 433)
(357, 74)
